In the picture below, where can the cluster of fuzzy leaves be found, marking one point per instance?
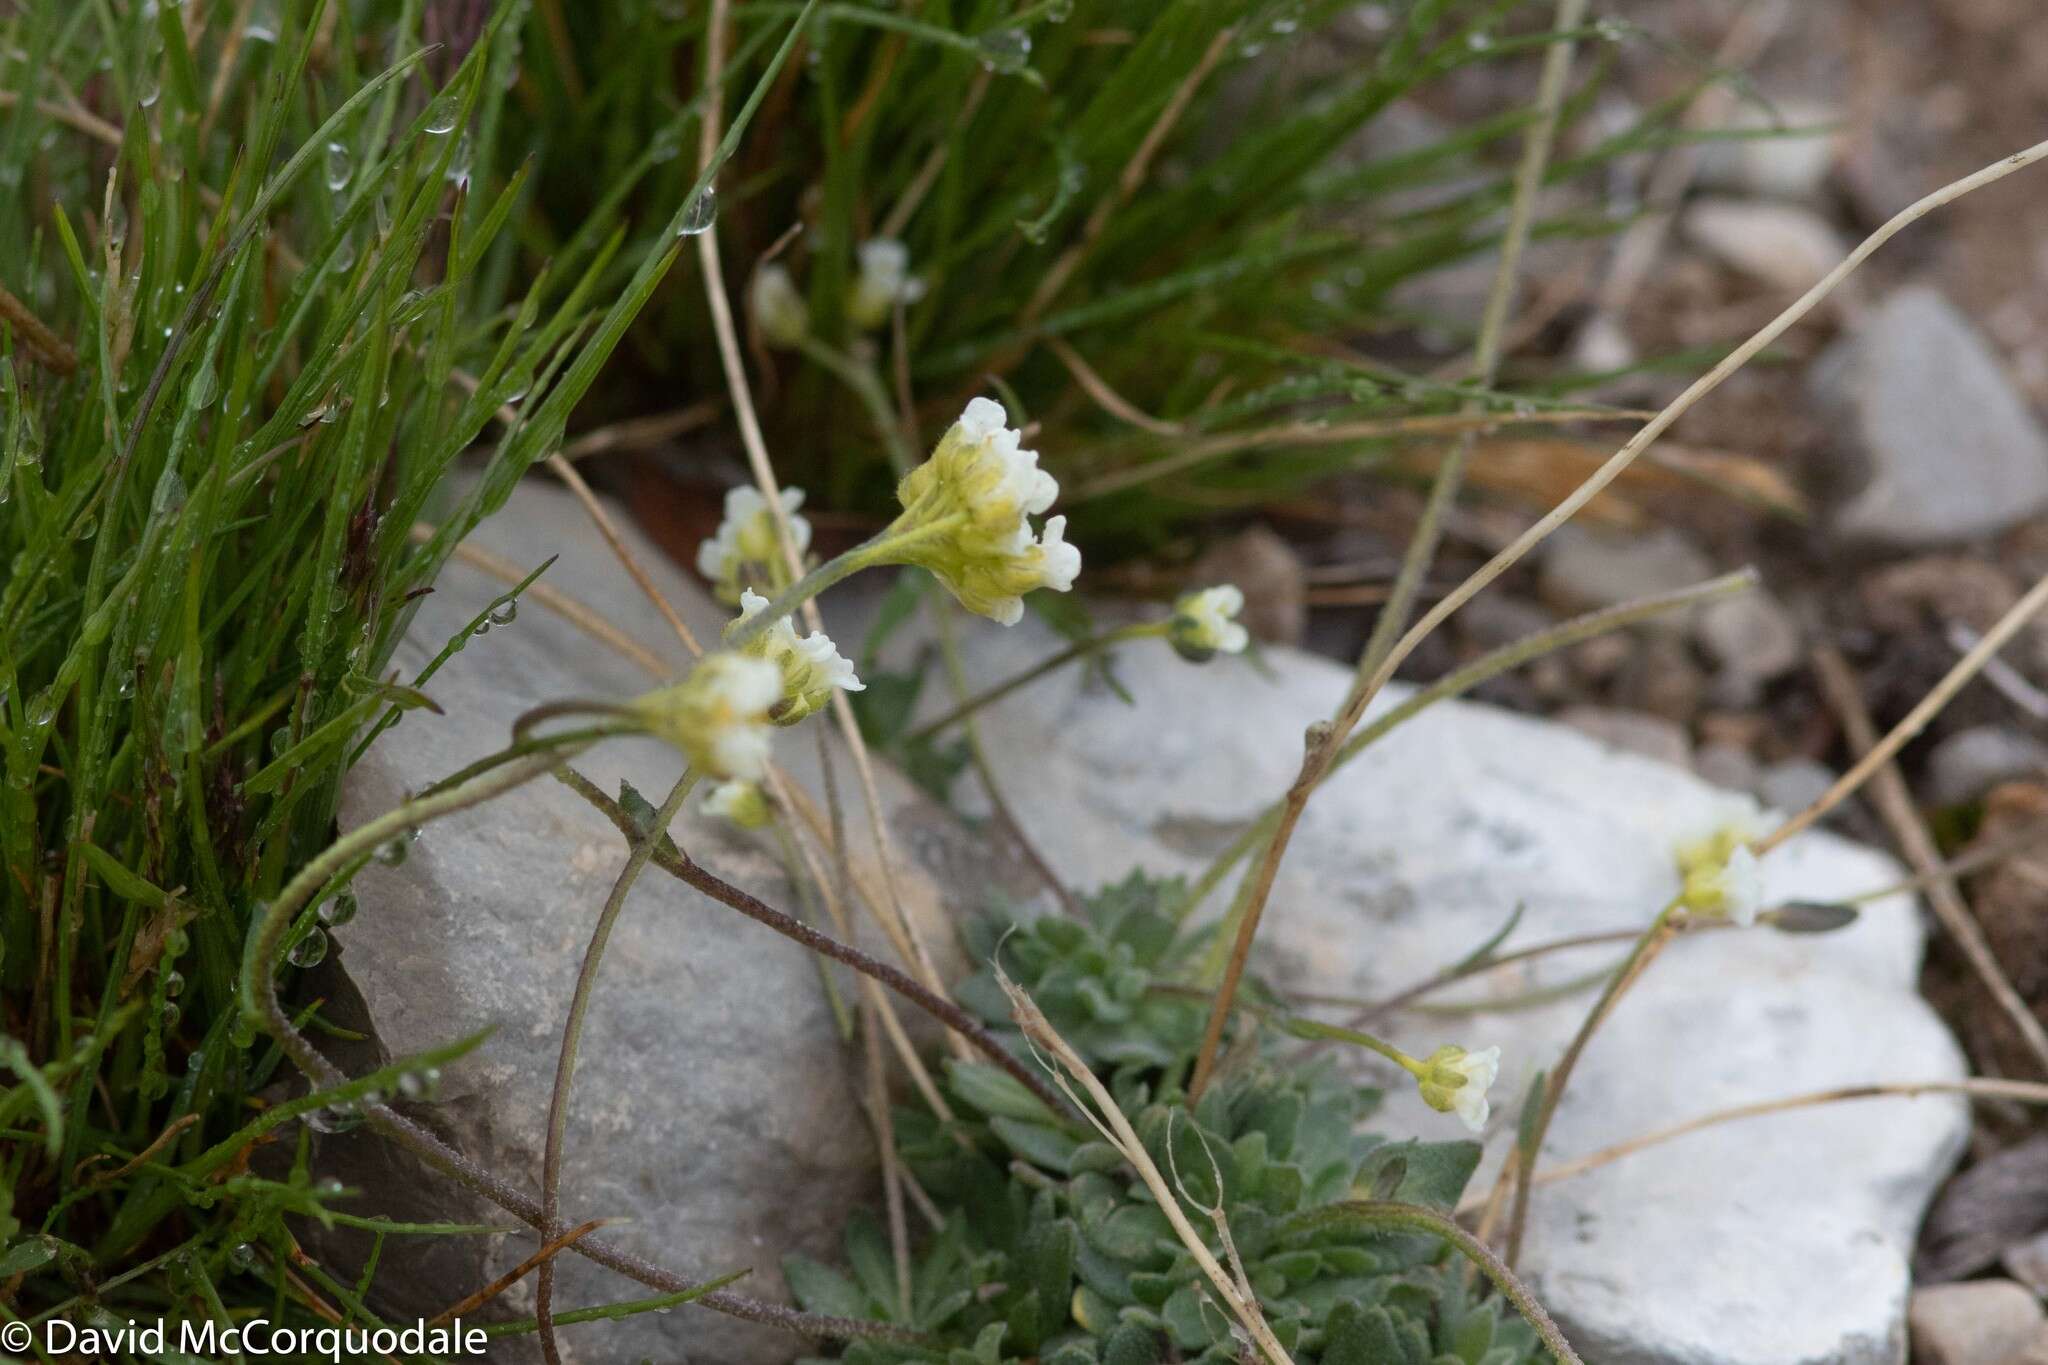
(1054, 1251)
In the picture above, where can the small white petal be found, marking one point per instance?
(1062, 561)
(983, 418)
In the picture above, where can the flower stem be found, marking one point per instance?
(1080, 649)
(886, 547)
(867, 387)
(1337, 1033)
(1661, 931)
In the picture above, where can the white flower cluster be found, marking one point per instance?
(745, 541)
(719, 715)
(810, 666)
(778, 309)
(966, 517)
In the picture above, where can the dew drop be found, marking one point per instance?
(504, 614)
(204, 386)
(174, 982)
(700, 212)
(170, 1014)
(242, 1256)
(339, 910)
(309, 951)
(1005, 50)
(152, 90)
(340, 167)
(395, 852)
(443, 113)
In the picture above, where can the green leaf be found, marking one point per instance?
(33, 1254)
(995, 1092)
(1432, 1173)
(820, 1289)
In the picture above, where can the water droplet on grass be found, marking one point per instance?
(309, 951)
(443, 113)
(700, 212)
(1005, 50)
(340, 166)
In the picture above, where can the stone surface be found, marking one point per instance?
(1768, 1242)
(1751, 636)
(715, 1107)
(1976, 1322)
(1784, 165)
(1794, 783)
(1970, 762)
(1780, 244)
(1951, 448)
(1584, 570)
(1631, 732)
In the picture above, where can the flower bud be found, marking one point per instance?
(810, 667)
(718, 715)
(1205, 624)
(778, 310)
(745, 543)
(1454, 1081)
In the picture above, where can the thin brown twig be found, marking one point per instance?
(1894, 802)
(567, 473)
(547, 1252)
(638, 433)
(584, 617)
(1107, 398)
(46, 346)
(2027, 1092)
(1924, 712)
(677, 863)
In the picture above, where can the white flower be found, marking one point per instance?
(884, 281)
(1456, 1081)
(746, 539)
(1731, 821)
(1718, 869)
(810, 666)
(1733, 887)
(742, 803)
(778, 310)
(966, 517)
(1205, 623)
(718, 715)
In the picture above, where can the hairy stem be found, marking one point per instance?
(1390, 1214)
(641, 846)
(679, 864)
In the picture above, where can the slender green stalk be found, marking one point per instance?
(885, 548)
(1080, 649)
(1661, 931)
(572, 1040)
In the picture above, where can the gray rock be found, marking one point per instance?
(1794, 783)
(1751, 636)
(1783, 245)
(1952, 449)
(715, 1106)
(1977, 1322)
(1767, 1242)
(1970, 762)
(2027, 1262)
(1585, 569)
(1726, 765)
(1781, 166)
(1633, 732)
